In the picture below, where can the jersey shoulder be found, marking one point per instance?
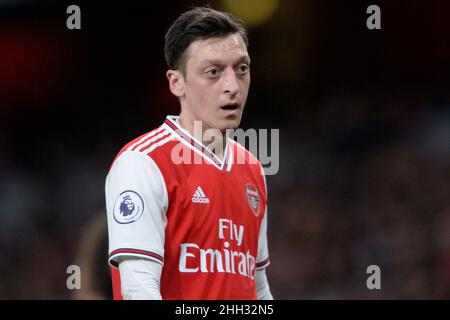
(147, 143)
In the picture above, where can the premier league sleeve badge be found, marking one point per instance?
(128, 207)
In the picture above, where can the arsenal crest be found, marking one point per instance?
(253, 198)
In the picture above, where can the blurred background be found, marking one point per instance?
(364, 125)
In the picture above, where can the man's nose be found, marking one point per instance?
(230, 82)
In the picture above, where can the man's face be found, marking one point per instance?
(216, 82)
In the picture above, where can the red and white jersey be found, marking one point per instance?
(204, 221)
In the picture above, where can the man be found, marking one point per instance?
(187, 220)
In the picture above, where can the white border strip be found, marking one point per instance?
(152, 133)
(150, 141)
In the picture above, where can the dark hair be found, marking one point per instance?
(198, 23)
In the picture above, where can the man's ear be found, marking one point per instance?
(176, 82)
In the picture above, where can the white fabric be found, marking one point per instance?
(262, 285)
(140, 279)
(136, 172)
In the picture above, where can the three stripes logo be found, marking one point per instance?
(199, 196)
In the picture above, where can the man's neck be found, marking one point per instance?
(189, 125)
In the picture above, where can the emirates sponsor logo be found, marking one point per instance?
(213, 260)
(194, 259)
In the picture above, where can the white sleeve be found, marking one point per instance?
(263, 260)
(262, 286)
(136, 204)
(140, 279)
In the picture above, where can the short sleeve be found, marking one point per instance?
(136, 205)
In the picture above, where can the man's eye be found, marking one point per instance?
(212, 73)
(243, 68)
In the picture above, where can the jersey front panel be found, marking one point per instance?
(212, 233)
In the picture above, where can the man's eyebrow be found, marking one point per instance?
(242, 58)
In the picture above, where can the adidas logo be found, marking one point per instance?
(199, 196)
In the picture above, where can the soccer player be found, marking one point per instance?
(186, 220)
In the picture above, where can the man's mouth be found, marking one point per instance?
(230, 106)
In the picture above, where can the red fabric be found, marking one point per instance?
(117, 292)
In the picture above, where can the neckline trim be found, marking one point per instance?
(172, 122)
